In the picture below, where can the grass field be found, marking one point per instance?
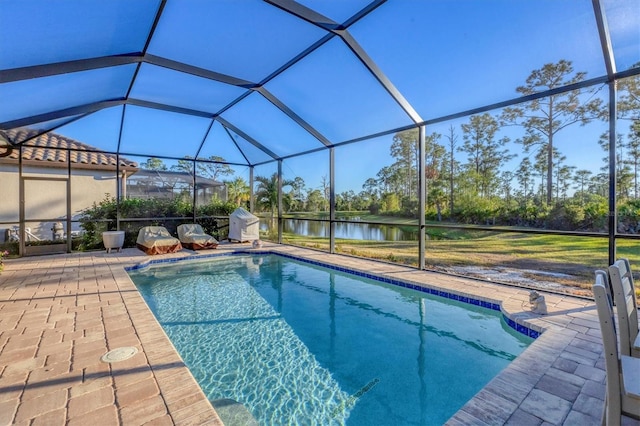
(573, 258)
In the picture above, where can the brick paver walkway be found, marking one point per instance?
(60, 314)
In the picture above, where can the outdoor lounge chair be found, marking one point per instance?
(623, 387)
(193, 237)
(625, 298)
(157, 240)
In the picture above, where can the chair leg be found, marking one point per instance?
(612, 416)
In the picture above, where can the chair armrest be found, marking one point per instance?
(630, 369)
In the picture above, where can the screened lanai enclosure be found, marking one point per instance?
(493, 138)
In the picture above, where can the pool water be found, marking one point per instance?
(301, 344)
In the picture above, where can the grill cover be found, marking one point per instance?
(243, 226)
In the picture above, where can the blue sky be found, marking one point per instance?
(443, 56)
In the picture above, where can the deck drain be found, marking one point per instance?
(119, 354)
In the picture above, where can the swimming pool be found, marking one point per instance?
(300, 344)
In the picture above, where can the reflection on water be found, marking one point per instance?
(347, 230)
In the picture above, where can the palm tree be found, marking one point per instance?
(267, 192)
(238, 191)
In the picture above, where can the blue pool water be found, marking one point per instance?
(302, 344)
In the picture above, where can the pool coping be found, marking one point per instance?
(559, 379)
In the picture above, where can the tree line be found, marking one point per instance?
(465, 174)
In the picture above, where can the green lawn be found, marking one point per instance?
(571, 255)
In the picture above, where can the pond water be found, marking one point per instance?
(348, 230)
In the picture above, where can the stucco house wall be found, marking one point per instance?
(47, 156)
(9, 193)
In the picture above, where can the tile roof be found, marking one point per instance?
(54, 148)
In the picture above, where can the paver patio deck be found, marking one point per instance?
(59, 314)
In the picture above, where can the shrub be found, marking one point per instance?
(476, 210)
(629, 217)
(102, 217)
(566, 217)
(11, 247)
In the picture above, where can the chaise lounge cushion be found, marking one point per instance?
(193, 237)
(157, 240)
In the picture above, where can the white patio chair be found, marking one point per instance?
(623, 386)
(627, 307)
